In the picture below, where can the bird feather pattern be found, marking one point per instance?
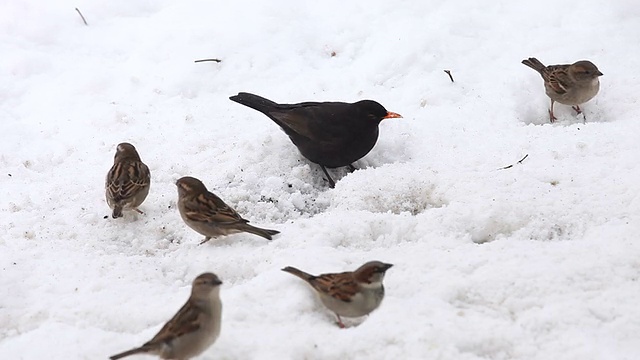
(186, 320)
(207, 207)
(557, 78)
(340, 286)
(126, 179)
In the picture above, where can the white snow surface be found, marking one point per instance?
(537, 261)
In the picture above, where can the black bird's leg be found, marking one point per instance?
(332, 184)
(352, 168)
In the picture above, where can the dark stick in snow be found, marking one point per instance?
(449, 73)
(82, 16)
(203, 60)
(519, 162)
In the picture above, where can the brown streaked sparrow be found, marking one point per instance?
(351, 293)
(207, 214)
(128, 181)
(569, 84)
(193, 329)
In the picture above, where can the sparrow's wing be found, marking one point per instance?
(340, 286)
(126, 178)
(207, 207)
(187, 320)
(558, 78)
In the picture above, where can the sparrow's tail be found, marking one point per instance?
(299, 273)
(142, 349)
(117, 212)
(535, 64)
(254, 101)
(265, 233)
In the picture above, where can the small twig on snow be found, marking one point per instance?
(519, 162)
(449, 73)
(82, 16)
(203, 60)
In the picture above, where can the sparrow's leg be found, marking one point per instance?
(579, 111)
(205, 240)
(332, 184)
(139, 211)
(552, 118)
(340, 324)
(352, 168)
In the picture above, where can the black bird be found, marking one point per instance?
(330, 134)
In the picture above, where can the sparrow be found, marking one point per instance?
(569, 84)
(330, 134)
(193, 329)
(207, 214)
(351, 293)
(128, 181)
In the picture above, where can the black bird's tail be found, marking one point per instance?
(254, 101)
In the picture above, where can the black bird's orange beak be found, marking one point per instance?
(391, 115)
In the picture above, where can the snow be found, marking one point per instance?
(538, 261)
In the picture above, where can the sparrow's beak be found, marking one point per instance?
(391, 115)
(386, 267)
(599, 73)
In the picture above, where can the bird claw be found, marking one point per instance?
(579, 111)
